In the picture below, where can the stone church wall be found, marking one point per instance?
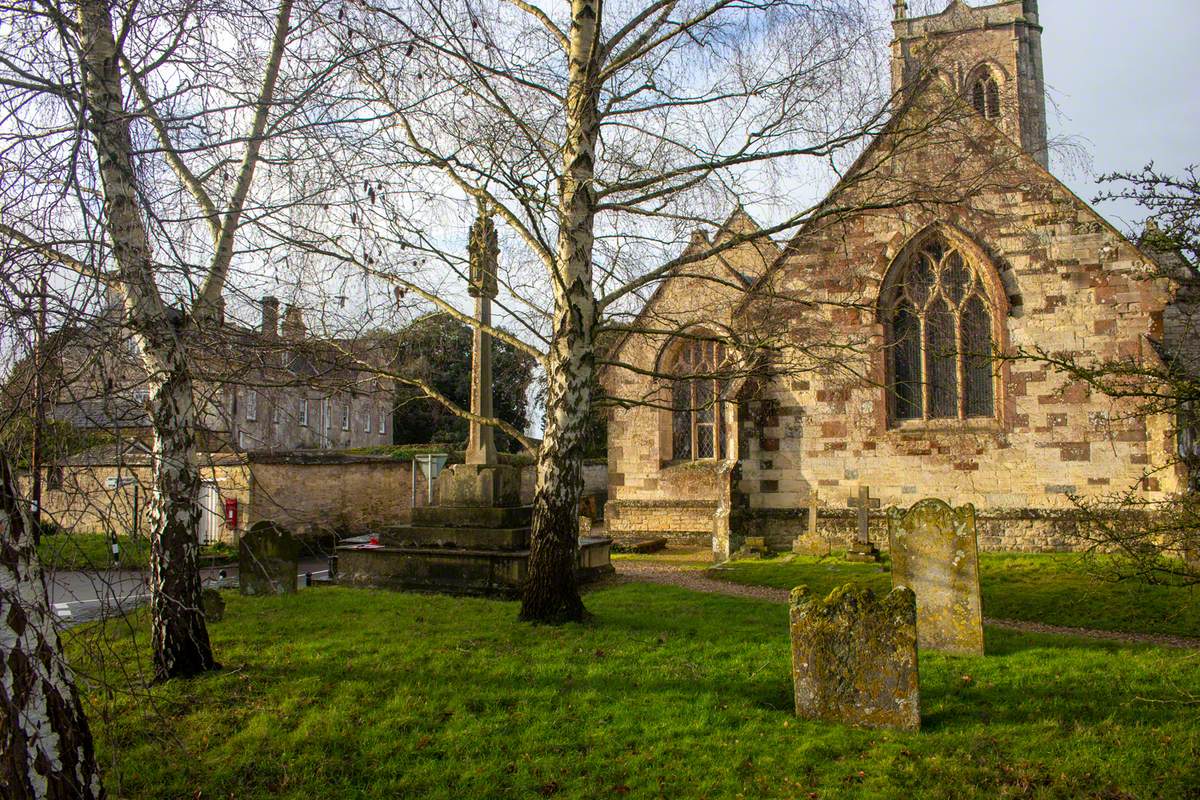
(1061, 283)
(1074, 288)
(649, 492)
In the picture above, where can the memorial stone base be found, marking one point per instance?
(862, 552)
(475, 543)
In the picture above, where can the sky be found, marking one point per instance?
(1123, 76)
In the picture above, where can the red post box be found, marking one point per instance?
(231, 512)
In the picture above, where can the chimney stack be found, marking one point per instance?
(293, 323)
(270, 316)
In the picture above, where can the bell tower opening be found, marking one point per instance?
(990, 54)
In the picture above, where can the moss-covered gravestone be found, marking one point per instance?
(854, 657)
(213, 605)
(935, 553)
(268, 560)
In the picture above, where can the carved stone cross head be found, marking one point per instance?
(484, 250)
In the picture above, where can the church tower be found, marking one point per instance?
(991, 55)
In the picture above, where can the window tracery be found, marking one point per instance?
(985, 96)
(939, 333)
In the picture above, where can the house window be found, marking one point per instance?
(985, 96)
(243, 440)
(327, 413)
(304, 412)
(54, 478)
(276, 413)
(382, 423)
(697, 424)
(939, 338)
(346, 417)
(141, 396)
(367, 423)
(251, 405)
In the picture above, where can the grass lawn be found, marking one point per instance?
(94, 551)
(348, 693)
(1053, 588)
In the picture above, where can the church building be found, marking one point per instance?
(904, 339)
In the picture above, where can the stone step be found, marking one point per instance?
(464, 571)
(466, 538)
(468, 517)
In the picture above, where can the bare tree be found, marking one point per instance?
(123, 147)
(599, 136)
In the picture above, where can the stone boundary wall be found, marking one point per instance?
(86, 503)
(999, 530)
(314, 494)
(313, 499)
(689, 522)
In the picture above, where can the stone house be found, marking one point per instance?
(267, 387)
(946, 244)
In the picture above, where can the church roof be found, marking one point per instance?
(910, 106)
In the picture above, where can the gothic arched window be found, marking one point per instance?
(939, 337)
(697, 393)
(985, 96)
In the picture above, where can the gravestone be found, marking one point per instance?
(860, 547)
(935, 553)
(752, 547)
(811, 543)
(268, 560)
(212, 604)
(854, 657)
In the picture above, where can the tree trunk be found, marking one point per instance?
(550, 593)
(45, 744)
(180, 637)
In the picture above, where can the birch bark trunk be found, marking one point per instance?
(180, 638)
(551, 593)
(45, 743)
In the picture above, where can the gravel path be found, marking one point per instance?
(696, 580)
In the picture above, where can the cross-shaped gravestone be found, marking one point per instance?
(861, 548)
(811, 543)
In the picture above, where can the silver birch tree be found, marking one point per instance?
(577, 126)
(45, 744)
(113, 244)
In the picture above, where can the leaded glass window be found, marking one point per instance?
(939, 336)
(697, 393)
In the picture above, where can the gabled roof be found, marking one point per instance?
(738, 224)
(909, 107)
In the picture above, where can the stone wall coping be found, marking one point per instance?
(318, 457)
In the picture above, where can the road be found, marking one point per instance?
(78, 596)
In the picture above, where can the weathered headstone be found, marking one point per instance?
(752, 547)
(854, 657)
(935, 553)
(860, 547)
(268, 560)
(212, 604)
